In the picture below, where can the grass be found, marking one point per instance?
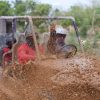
(90, 45)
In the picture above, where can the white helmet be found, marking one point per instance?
(60, 30)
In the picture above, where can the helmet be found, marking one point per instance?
(61, 30)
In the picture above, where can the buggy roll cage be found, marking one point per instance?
(30, 20)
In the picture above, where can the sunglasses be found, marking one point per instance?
(61, 35)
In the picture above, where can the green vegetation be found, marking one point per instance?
(87, 18)
(5, 8)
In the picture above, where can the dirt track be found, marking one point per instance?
(54, 79)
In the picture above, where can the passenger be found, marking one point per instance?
(27, 52)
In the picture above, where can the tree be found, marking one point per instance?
(30, 7)
(5, 8)
(24, 7)
(42, 9)
(19, 7)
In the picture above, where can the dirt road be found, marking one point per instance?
(76, 78)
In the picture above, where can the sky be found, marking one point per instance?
(64, 4)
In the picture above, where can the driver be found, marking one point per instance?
(60, 37)
(59, 45)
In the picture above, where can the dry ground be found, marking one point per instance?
(76, 78)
